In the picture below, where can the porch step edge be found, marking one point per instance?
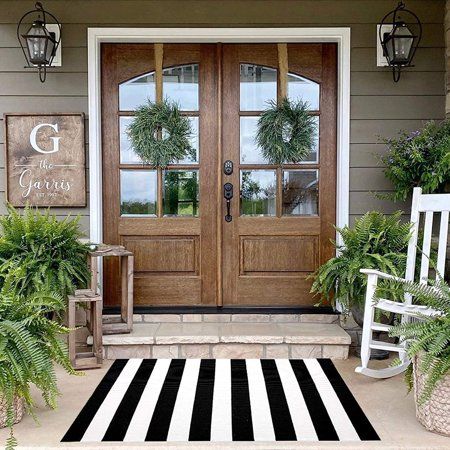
(227, 350)
(232, 317)
(231, 333)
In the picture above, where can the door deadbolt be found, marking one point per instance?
(228, 167)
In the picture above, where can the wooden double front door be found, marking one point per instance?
(173, 219)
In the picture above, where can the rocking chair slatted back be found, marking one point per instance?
(443, 237)
(427, 204)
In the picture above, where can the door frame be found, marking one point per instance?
(96, 36)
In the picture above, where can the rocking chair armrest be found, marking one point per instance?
(379, 274)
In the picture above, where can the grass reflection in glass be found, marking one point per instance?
(138, 192)
(180, 193)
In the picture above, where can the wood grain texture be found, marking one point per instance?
(283, 69)
(159, 254)
(45, 160)
(287, 246)
(181, 249)
(278, 254)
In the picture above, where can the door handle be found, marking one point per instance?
(228, 195)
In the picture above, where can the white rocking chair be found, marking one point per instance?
(421, 203)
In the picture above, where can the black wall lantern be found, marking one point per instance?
(400, 44)
(38, 44)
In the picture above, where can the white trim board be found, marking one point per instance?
(96, 36)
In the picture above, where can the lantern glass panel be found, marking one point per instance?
(403, 40)
(398, 45)
(40, 43)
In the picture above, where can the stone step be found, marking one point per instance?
(236, 317)
(229, 340)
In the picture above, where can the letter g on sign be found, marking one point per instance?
(54, 139)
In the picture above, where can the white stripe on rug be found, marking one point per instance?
(221, 429)
(99, 424)
(137, 430)
(301, 419)
(259, 403)
(182, 411)
(341, 422)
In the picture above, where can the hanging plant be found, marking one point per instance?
(286, 132)
(160, 135)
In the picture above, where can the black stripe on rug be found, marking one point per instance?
(363, 427)
(117, 429)
(241, 413)
(279, 409)
(319, 415)
(202, 411)
(81, 423)
(160, 423)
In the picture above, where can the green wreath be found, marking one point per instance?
(159, 134)
(286, 132)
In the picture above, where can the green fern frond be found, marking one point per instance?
(429, 336)
(38, 250)
(377, 242)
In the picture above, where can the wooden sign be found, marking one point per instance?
(45, 159)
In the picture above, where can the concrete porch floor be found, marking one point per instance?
(385, 403)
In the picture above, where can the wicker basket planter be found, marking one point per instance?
(19, 410)
(434, 414)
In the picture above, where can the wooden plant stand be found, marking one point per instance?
(93, 301)
(124, 323)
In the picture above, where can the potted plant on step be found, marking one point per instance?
(376, 241)
(30, 344)
(428, 347)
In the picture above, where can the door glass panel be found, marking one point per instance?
(136, 92)
(258, 192)
(180, 84)
(250, 152)
(127, 154)
(258, 85)
(313, 157)
(308, 91)
(300, 192)
(180, 193)
(138, 190)
(194, 139)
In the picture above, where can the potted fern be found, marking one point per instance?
(38, 251)
(429, 350)
(30, 344)
(375, 241)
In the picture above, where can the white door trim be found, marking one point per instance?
(96, 36)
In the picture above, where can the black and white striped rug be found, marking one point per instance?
(221, 400)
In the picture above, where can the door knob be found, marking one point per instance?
(228, 195)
